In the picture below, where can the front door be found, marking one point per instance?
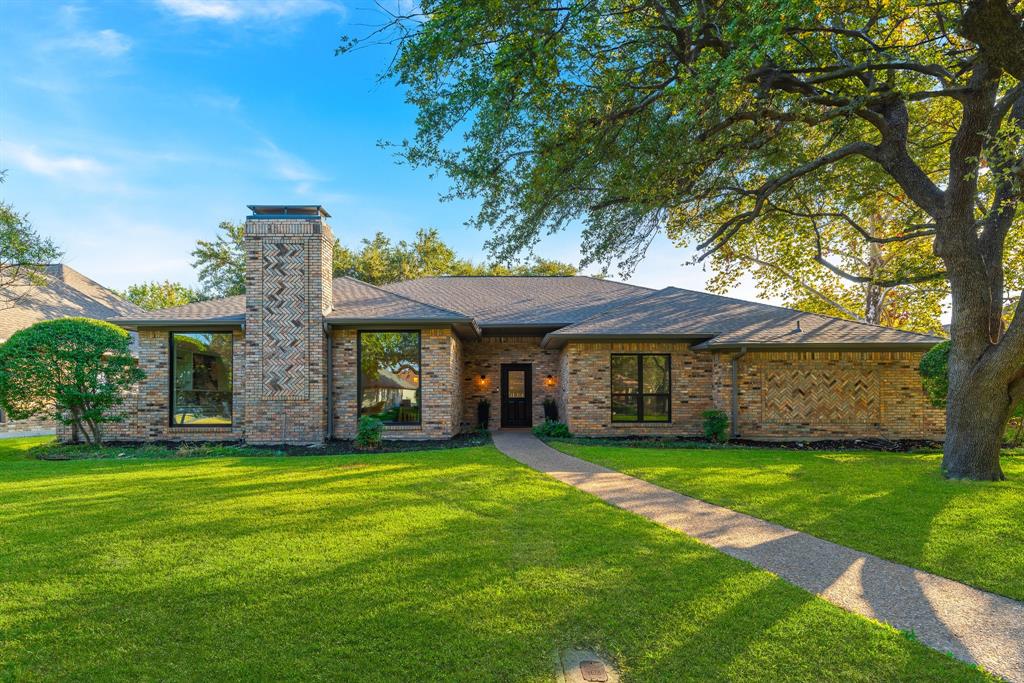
(516, 395)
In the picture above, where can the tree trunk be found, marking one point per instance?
(977, 411)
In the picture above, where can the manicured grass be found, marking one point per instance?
(439, 565)
(895, 505)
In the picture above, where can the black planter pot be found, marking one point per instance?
(551, 412)
(483, 414)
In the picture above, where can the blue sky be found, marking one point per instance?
(130, 129)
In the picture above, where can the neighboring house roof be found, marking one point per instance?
(726, 322)
(567, 308)
(64, 292)
(508, 301)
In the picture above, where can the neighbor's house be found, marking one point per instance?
(300, 357)
(59, 292)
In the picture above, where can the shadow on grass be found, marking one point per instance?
(459, 567)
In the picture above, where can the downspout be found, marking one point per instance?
(734, 368)
(330, 382)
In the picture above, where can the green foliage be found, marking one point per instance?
(379, 261)
(716, 425)
(552, 429)
(155, 295)
(221, 263)
(369, 433)
(23, 252)
(75, 370)
(934, 369)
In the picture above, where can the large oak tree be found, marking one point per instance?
(707, 119)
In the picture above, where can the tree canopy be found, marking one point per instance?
(75, 370)
(23, 253)
(379, 261)
(154, 295)
(712, 120)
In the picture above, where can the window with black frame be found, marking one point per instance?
(201, 378)
(389, 376)
(641, 387)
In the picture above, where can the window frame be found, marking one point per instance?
(419, 373)
(640, 395)
(171, 376)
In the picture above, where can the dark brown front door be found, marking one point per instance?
(516, 395)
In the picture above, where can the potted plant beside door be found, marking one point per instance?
(550, 409)
(483, 413)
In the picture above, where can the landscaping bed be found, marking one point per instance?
(177, 449)
(892, 446)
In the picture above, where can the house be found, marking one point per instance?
(301, 356)
(59, 292)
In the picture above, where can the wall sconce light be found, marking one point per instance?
(549, 381)
(482, 380)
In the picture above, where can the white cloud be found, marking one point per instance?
(289, 167)
(106, 43)
(54, 166)
(237, 10)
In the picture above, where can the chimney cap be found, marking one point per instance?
(287, 210)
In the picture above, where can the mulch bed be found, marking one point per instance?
(894, 446)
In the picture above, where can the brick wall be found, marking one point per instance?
(781, 395)
(588, 367)
(833, 394)
(32, 424)
(486, 356)
(288, 291)
(147, 406)
(440, 393)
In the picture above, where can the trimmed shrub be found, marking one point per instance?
(716, 425)
(934, 369)
(368, 433)
(483, 413)
(75, 370)
(550, 409)
(552, 430)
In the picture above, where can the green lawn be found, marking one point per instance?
(895, 505)
(440, 565)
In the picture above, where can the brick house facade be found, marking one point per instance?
(309, 355)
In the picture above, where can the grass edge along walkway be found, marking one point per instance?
(946, 615)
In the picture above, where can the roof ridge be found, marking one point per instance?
(402, 296)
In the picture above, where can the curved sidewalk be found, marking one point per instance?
(946, 615)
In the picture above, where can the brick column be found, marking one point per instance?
(288, 281)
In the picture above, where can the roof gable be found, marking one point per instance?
(64, 293)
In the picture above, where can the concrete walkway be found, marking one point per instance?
(946, 615)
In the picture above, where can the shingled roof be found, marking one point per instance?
(63, 292)
(509, 301)
(726, 322)
(568, 308)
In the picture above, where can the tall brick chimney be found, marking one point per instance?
(288, 267)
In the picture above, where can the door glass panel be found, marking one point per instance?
(516, 384)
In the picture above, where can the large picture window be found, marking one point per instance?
(201, 378)
(641, 387)
(389, 376)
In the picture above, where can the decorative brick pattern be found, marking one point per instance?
(486, 356)
(833, 394)
(285, 335)
(288, 285)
